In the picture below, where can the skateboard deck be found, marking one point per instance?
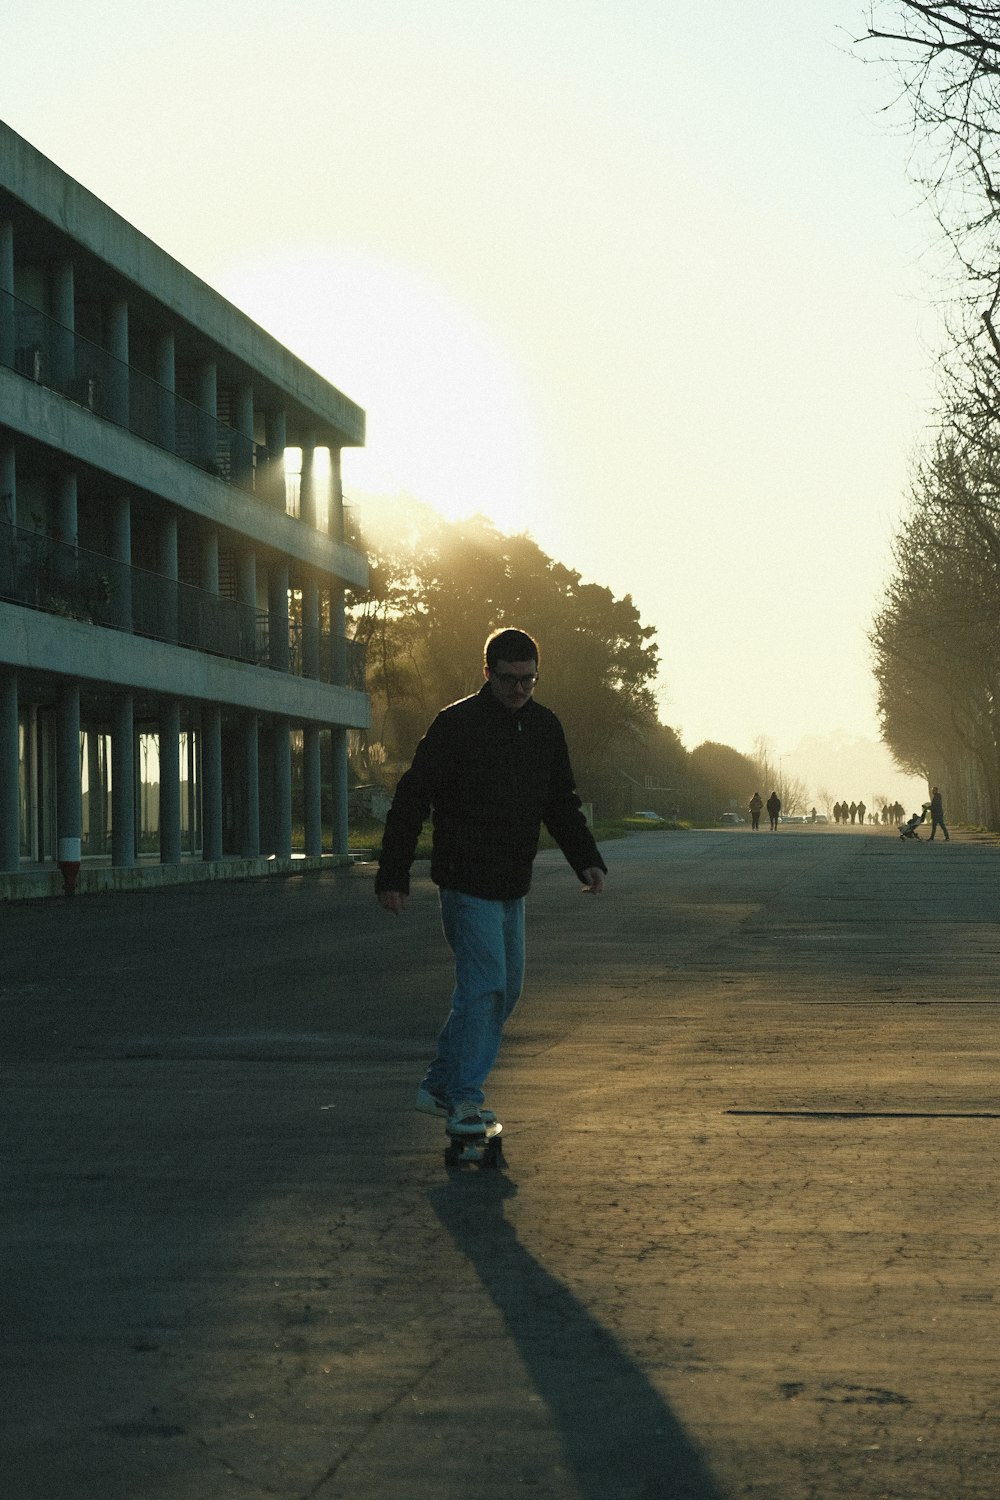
(483, 1149)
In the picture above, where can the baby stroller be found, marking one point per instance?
(908, 830)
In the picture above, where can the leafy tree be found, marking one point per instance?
(438, 588)
(936, 640)
(720, 775)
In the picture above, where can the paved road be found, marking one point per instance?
(747, 1244)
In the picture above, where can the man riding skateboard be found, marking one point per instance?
(491, 769)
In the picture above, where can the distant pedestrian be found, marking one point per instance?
(861, 813)
(937, 814)
(773, 809)
(853, 810)
(836, 812)
(755, 805)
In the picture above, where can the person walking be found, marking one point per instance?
(773, 809)
(937, 814)
(491, 769)
(754, 807)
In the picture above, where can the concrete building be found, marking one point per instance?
(176, 687)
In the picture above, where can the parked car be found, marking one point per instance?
(646, 817)
(731, 817)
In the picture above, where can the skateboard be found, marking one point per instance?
(484, 1149)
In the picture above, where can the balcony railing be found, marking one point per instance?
(54, 356)
(60, 579)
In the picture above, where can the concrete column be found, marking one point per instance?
(276, 432)
(67, 523)
(8, 483)
(166, 378)
(168, 611)
(246, 592)
(69, 793)
(313, 789)
(282, 743)
(338, 632)
(244, 466)
(208, 400)
(63, 293)
(244, 411)
(275, 439)
(121, 551)
(210, 562)
(323, 488)
(308, 513)
(8, 517)
(278, 610)
(310, 630)
(170, 782)
(251, 787)
(6, 293)
(67, 531)
(246, 581)
(117, 337)
(339, 790)
(63, 303)
(10, 779)
(335, 499)
(211, 781)
(167, 550)
(123, 839)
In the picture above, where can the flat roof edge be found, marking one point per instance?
(52, 193)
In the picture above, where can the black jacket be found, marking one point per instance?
(490, 778)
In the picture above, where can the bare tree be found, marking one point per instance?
(948, 59)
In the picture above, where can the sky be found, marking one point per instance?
(646, 279)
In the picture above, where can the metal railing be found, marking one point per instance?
(56, 357)
(58, 578)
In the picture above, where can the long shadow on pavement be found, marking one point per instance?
(620, 1438)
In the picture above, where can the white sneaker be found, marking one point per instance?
(466, 1118)
(431, 1103)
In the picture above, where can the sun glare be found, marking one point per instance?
(449, 411)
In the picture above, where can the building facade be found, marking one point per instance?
(176, 683)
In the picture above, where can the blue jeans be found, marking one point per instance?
(487, 939)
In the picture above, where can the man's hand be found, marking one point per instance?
(593, 881)
(394, 901)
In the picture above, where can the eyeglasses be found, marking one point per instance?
(509, 681)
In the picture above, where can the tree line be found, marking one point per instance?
(936, 635)
(436, 590)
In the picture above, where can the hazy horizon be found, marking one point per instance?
(659, 294)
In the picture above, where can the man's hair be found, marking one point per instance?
(509, 645)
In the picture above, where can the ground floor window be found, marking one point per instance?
(95, 784)
(148, 792)
(25, 782)
(190, 750)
